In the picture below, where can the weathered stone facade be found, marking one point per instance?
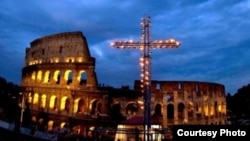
(181, 102)
(58, 78)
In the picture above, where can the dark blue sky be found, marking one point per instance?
(214, 36)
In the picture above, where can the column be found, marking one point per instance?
(164, 108)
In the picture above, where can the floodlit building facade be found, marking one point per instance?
(61, 88)
(58, 78)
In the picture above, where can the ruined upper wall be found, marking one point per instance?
(187, 86)
(62, 47)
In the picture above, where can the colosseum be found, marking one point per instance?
(60, 86)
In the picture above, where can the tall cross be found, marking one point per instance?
(145, 62)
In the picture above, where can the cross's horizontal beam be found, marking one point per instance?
(171, 43)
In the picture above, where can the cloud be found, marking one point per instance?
(213, 34)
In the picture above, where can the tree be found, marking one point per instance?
(240, 102)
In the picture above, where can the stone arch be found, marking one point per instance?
(116, 112)
(43, 101)
(35, 99)
(46, 76)
(115, 108)
(158, 110)
(78, 105)
(181, 108)
(50, 125)
(132, 108)
(68, 76)
(198, 110)
(62, 125)
(95, 106)
(211, 109)
(33, 119)
(82, 77)
(53, 102)
(39, 75)
(170, 111)
(33, 75)
(56, 76)
(64, 104)
(190, 110)
(41, 124)
(205, 109)
(30, 99)
(223, 108)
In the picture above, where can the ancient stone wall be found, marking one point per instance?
(59, 79)
(188, 102)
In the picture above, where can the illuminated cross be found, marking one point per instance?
(145, 62)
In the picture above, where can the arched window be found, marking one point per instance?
(39, 75)
(33, 76)
(181, 107)
(64, 106)
(46, 77)
(43, 101)
(205, 108)
(78, 105)
(35, 99)
(170, 114)
(95, 107)
(56, 76)
(50, 125)
(190, 110)
(52, 102)
(158, 112)
(68, 76)
(82, 77)
(132, 109)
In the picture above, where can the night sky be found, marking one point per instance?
(214, 36)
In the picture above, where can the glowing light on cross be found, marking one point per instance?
(145, 45)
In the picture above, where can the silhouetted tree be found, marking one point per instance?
(9, 93)
(239, 103)
(27, 116)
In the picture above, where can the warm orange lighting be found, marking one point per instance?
(63, 103)
(80, 59)
(39, 75)
(33, 77)
(46, 76)
(75, 106)
(219, 108)
(50, 125)
(56, 74)
(62, 125)
(35, 98)
(212, 111)
(43, 101)
(66, 74)
(29, 99)
(79, 75)
(52, 102)
(206, 110)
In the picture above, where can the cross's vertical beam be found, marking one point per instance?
(145, 62)
(146, 74)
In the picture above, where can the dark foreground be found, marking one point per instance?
(6, 135)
